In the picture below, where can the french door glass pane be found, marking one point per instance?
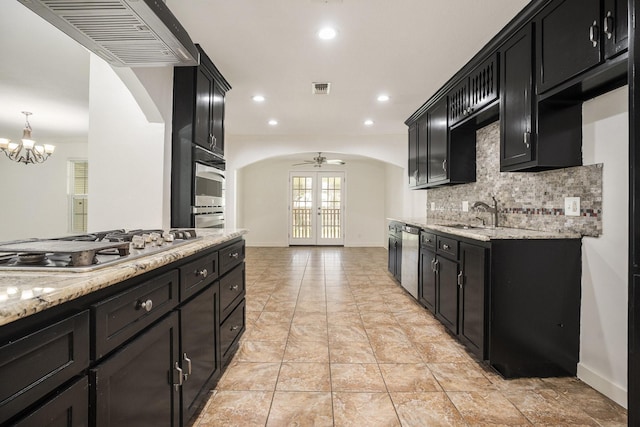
(330, 227)
(302, 187)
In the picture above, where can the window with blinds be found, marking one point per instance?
(78, 190)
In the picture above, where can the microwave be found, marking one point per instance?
(208, 187)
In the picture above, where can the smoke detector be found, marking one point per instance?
(318, 88)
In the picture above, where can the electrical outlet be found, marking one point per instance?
(465, 206)
(433, 206)
(572, 206)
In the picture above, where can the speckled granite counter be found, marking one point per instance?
(485, 233)
(23, 293)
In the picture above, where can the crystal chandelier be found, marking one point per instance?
(26, 151)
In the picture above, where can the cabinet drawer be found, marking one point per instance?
(447, 247)
(231, 288)
(231, 329)
(121, 317)
(197, 275)
(231, 256)
(37, 364)
(68, 408)
(428, 240)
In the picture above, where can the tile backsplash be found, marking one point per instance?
(531, 200)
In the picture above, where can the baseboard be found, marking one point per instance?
(603, 385)
(266, 245)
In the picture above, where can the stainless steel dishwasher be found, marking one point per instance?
(410, 258)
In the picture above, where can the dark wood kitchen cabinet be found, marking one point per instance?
(517, 106)
(427, 277)
(474, 91)
(68, 408)
(199, 349)
(412, 165)
(418, 143)
(472, 281)
(573, 36)
(446, 271)
(198, 107)
(438, 143)
(138, 352)
(395, 250)
(36, 363)
(140, 384)
(494, 297)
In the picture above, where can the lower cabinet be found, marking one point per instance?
(472, 281)
(68, 408)
(395, 250)
(140, 353)
(140, 383)
(514, 303)
(199, 354)
(447, 292)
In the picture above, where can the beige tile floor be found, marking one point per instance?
(332, 340)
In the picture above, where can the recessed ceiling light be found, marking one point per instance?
(327, 33)
(368, 122)
(383, 98)
(258, 98)
(273, 122)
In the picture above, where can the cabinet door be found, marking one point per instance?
(423, 145)
(393, 247)
(412, 165)
(516, 100)
(459, 102)
(136, 386)
(615, 27)
(438, 141)
(483, 84)
(472, 297)
(447, 293)
(69, 408)
(204, 109)
(217, 120)
(568, 40)
(427, 279)
(200, 357)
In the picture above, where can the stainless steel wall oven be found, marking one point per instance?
(208, 209)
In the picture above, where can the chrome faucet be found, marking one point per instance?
(492, 209)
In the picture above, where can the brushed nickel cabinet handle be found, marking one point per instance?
(180, 377)
(608, 25)
(186, 359)
(203, 273)
(593, 33)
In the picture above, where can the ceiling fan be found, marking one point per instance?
(320, 160)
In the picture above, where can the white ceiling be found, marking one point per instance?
(405, 48)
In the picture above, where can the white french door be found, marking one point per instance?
(316, 208)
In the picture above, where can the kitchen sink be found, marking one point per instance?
(463, 226)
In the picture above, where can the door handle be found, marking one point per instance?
(608, 25)
(593, 33)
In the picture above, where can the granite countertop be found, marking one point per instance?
(23, 293)
(485, 234)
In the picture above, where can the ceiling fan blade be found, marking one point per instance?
(335, 162)
(304, 162)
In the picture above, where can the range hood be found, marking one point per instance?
(125, 33)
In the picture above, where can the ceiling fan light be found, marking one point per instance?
(49, 149)
(4, 143)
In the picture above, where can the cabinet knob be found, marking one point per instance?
(203, 273)
(147, 305)
(608, 25)
(234, 288)
(594, 33)
(234, 255)
(235, 328)
(446, 247)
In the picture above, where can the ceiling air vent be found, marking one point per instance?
(320, 88)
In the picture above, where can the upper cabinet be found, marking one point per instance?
(438, 142)
(199, 94)
(474, 91)
(516, 100)
(574, 36)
